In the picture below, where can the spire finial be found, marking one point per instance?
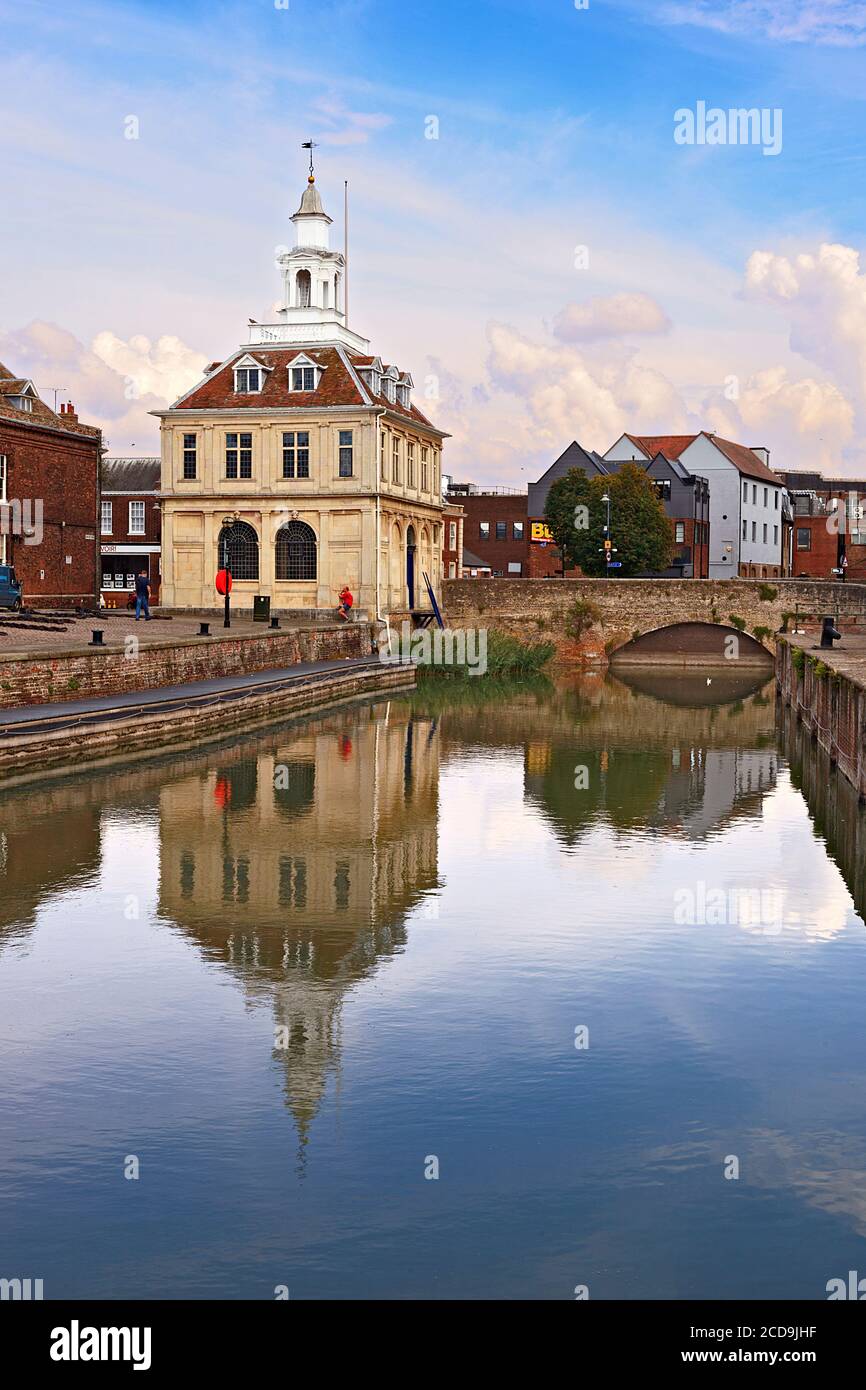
(310, 145)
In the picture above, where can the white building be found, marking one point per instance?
(748, 502)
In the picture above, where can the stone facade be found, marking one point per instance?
(304, 460)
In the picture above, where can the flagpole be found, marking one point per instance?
(345, 253)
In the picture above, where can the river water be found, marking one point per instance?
(469, 995)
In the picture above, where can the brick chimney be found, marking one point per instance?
(69, 411)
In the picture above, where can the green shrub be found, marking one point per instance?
(582, 615)
(786, 617)
(798, 660)
(767, 593)
(736, 621)
(762, 633)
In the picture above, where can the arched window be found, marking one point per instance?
(296, 551)
(304, 289)
(243, 550)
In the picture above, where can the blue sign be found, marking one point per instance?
(614, 564)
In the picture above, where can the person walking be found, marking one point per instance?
(142, 596)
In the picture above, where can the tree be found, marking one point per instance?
(574, 513)
(639, 527)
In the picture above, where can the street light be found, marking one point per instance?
(228, 523)
(607, 548)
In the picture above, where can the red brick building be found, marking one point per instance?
(495, 527)
(129, 528)
(452, 541)
(49, 494)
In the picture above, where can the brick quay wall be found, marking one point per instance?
(43, 676)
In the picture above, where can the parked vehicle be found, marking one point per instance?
(11, 595)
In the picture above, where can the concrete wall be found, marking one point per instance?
(44, 676)
(542, 609)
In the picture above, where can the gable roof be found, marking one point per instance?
(586, 460)
(745, 461)
(40, 414)
(339, 385)
(671, 445)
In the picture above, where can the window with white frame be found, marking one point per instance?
(395, 460)
(304, 377)
(136, 518)
(425, 468)
(248, 379)
(3, 472)
(383, 454)
(452, 535)
(106, 519)
(410, 464)
(680, 532)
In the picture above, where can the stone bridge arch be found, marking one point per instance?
(691, 644)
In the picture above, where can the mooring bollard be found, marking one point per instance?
(275, 622)
(829, 633)
(204, 629)
(96, 637)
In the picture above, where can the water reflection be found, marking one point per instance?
(286, 968)
(296, 865)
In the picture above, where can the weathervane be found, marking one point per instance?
(310, 145)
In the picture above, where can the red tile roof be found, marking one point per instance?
(745, 461)
(41, 414)
(671, 445)
(339, 385)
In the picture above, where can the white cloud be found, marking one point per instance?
(114, 384)
(839, 23)
(610, 316)
(166, 369)
(805, 422)
(823, 293)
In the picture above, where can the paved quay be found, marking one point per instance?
(189, 694)
(69, 633)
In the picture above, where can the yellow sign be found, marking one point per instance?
(608, 544)
(538, 531)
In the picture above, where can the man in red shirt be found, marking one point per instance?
(346, 601)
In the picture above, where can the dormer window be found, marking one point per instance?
(304, 374)
(390, 393)
(248, 379)
(23, 402)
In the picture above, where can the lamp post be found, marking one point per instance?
(228, 523)
(607, 538)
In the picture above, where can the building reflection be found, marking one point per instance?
(295, 866)
(620, 750)
(834, 807)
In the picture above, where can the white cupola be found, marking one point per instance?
(312, 272)
(312, 307)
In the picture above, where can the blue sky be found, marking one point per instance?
(708, 299)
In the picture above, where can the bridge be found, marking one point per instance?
(671, 622)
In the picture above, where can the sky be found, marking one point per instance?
(556, 264)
